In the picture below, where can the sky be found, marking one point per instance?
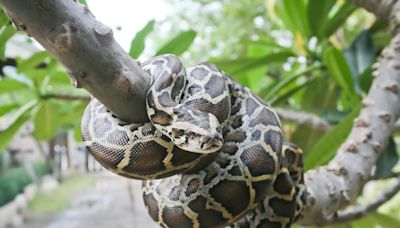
(131, 16)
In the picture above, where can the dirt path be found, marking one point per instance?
(107, 204)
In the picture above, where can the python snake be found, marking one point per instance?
(212, 154)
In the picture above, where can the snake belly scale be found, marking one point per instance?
(212, 154)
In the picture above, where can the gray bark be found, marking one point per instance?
(337, 185)
(97, 63)
(86, 47)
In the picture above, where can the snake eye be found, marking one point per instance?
(176, 133)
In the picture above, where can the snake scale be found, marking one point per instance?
(212, 154)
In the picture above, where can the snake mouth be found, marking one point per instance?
(196, 143)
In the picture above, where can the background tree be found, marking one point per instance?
(307, 56)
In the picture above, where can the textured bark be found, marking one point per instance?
(372, 206)
(87, 49)
(336, 185)
(308, 119)
(388, 10)
(97, 63)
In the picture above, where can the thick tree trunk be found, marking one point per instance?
(87, 49)
(336, 185)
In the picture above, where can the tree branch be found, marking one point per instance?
(336, 185)
(363, 210)
(308, 119)
(87, 49)
(67, 97)
(388, 10)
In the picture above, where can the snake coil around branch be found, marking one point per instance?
(212, 154)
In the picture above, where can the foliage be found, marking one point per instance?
(30, 90)
(308, 55)
(14, 180)
(60, 197)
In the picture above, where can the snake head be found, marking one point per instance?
(197, 132)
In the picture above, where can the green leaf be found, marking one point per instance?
(77, 133)
(47, 121)
(5, 34)
(285, 81)
(8, 85)
(296, 11)
(385, 221)
(73, 115)
(16, 120)
(3, 18)
(387, 160)
(137, 44)
(242, 65)
(179, 44)
(318, 12)
(83, 2)
(338, 19)
(7, 134)
(7, 108)
(326, 147)
(339, 70)
(26, 108)
(360, 55)
(32, 62)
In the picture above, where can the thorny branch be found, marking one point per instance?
(337, 185)
(86, 47)
(363, 210)
(97, 63)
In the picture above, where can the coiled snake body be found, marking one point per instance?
(211, 155)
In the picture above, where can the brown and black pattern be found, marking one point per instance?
(217, 147)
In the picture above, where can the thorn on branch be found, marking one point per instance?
(377, 146)
(103, 30)
(385, 116)
(361, 121)
(75, 78)
(350, 147)
(367, 102)
(366, 136)
(392, 87)
(363, 210)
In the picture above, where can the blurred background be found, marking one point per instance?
(308, 57)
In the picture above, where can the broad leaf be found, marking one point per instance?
(242, 65)
(339, 70)
(387, 160)
(14, 122)
(318, 12)
(10, 85)
(288, 79)
(326, 147)
(24, 109)
(83, 2)
(77, 133)
(360, 55)
(179, 44)
(5, 34)
(137, 44)
(32, 62)
(7, 108)
(296, 11)
(7, 134)
(47, 121)
(338, 19)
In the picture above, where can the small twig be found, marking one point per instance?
(66, 97)
(308, 119)
(363, 210)
(392, 175)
